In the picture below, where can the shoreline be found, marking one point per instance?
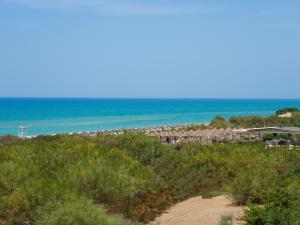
(177, 133)
(64, 115)
(122, 130)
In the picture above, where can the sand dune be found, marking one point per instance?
(199, 211)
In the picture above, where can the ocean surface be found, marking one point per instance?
(65, 115)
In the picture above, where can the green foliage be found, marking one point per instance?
(219, 122)
(256, 121)
(47, 180)
(247, 121)
(226, 220)
(286, 110)
(269, 136)
(144, 149)
(296, 135)
(253, 185)
(37, 172)
(282, 208)
(79, 212)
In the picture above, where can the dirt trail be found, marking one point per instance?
(199, 211)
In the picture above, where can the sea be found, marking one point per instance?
(68, 115)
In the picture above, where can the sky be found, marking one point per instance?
(150, 49)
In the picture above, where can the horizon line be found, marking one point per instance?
(148, 98)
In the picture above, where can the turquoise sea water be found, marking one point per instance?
(61, 115)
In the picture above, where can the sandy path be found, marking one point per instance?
(199, 211)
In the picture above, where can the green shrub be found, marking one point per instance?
(143, 148)
(253, 184)
(132, 174)
(79, 212)
(226, 220)
(17, 208)
(267, 137)
(219, 122)
(259, 121)
(286, 110)
(109, 183)
(281, 208)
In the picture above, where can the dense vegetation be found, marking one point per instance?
(287, 110)
(258, 121)
(282, 207)
(131, 178)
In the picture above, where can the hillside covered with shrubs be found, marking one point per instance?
(132, 178)
(259, 121)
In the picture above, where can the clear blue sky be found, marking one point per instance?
(157, 48)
